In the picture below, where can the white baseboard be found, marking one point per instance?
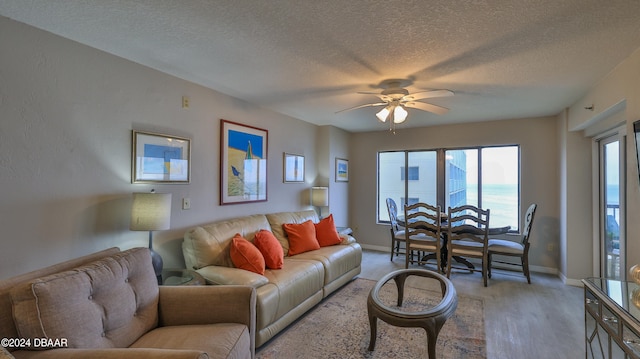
(570, 281)
(537, 269)
(376, 248)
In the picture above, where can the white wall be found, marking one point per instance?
(576, 205)
(622, 85)
(66, 115)
(538, 139)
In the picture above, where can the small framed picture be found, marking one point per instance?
(243, 163)
(293, 168)
(342, 170)
(157, 158)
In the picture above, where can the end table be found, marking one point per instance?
(182, 277)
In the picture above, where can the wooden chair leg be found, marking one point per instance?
(484, 271)
(489, 265)
(406, 257)
(525, 268)
(393, 245)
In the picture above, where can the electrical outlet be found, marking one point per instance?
(185, 102)
(186, 203)
(550, 247)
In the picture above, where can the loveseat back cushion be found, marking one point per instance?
(105, 304)
(277, 220)
(7, 326)
(210, 244)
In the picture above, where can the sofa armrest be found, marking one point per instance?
(346, 238)
(208, 304)
(111, 353)
(232, 276)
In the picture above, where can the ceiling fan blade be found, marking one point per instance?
(382, 97)
(427, 94)
(361, 106)
(427, 107)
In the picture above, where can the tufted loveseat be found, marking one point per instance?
(109, 305)
(283, 295)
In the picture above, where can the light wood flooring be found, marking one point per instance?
(544, 319)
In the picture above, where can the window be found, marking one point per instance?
(487, 177)
(413, 173)
(417, 182)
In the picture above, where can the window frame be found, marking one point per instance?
(441, 176)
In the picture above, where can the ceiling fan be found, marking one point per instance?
(395, 99)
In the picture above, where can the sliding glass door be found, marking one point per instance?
(612, 209)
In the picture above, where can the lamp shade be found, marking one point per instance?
(383, 114)
(150, 211)
(399, 114)
(320, 196)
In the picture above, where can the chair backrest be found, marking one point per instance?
(393, 214)
(468, 223)
(528, 223)
(422, 218)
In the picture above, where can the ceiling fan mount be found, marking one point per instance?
(395, 88)
(396, 98)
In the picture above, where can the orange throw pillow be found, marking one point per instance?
(245, 255)
(270, 248)
(326, 232)
(302, 237)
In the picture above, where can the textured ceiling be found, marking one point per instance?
(308, 59)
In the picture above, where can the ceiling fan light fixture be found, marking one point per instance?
(399, 114)
(383, 114)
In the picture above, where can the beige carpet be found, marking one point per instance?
(339, 327)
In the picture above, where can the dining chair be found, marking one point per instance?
(468, 235)
(520, 249)
(397, 232)
(423, 232)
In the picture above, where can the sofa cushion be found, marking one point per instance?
(232, 276)
(270, 248)
(245, 255)
(107, 303)
(298, 281)
(209, 244)
(7, 326)
(337, 260)
(277, 220)
(326, 232)
(302, 237)
(224, 340)
(4, 354)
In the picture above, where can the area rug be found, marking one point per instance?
(339, 328)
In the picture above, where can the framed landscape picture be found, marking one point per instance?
(293, 168)
(342, 170)
(157, 158)
(243, 163)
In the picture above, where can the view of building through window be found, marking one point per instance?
(487, 177)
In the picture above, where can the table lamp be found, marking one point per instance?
(319, 198)
(151, 212)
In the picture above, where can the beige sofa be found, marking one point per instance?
(109, 305)
(283, 295)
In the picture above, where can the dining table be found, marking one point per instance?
(443, 255)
